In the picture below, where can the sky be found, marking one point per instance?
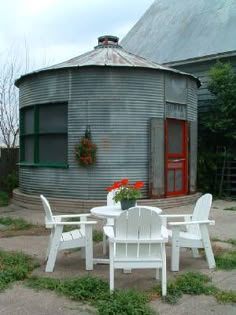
(45, 32)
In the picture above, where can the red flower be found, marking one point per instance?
(109, 188)
(138, 185)
(124, 181)
(116, 185)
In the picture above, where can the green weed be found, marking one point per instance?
(4, 199)
(14, 266)
(225, 296)
(15, 224)
(226, 261)
(128, 302)
(95, 292)
(231, 208)
(97, 236)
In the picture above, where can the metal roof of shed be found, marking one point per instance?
(107, 53)
(173, 30)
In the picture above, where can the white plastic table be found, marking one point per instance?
(110, 213)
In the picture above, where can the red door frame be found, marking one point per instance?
(180, 160)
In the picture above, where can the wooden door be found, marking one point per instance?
(176, 155)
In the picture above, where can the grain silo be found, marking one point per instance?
(142, 116)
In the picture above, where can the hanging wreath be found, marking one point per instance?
(85, 152)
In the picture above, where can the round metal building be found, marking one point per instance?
(142, 116)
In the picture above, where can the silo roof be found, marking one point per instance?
(108, 53)
(173, 30)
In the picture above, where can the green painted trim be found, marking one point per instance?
(51, 165)
(36, 134)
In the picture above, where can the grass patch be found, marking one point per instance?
(191, 283)
(14, 266)
(15, 224)
(95, 292)
(226, 261)
(225, 296)
(231, 208)
(97, 236)
(4, 199)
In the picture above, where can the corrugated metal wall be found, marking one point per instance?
(117, 104)
(201, 69)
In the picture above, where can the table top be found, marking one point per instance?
(114, 211)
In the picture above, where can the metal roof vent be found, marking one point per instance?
(108, 41)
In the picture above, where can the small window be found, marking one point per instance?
(43, 135)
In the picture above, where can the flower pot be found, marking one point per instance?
(126, 204)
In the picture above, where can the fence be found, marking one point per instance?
(8, 164)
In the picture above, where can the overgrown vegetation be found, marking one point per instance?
(217, 127)
(96, 292)
(226, 261)
(4, 199)
(231, 208)
(15, 224)
(11, 182)
(194, 283)
(14, 266)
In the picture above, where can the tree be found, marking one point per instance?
(9, 118)
(220, 121)
(217, 125)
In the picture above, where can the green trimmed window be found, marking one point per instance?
(43, 135)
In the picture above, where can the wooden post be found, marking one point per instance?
(157, 154)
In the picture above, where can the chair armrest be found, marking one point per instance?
(75, 223)
(211, 222)
(165, 217)
(72, 215)
(175, 215)
(109, 231)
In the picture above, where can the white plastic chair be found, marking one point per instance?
(196, 234)
(110, 202)
(137, 240)
(60, 240)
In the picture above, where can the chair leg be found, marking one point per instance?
(195, 252)
(163, 272)
(111, 269)
(104, 244)
(89, 247)
(54, 245)
(175, 249)
(207, 246)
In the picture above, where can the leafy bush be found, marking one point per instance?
(15, 224)
(125, 303)
(11, 182)
(14, 266)
(4, 199)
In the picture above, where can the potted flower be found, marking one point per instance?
(126, 193)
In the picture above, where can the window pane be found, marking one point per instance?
(178, 178)
(28, 115)
(53, 148)
(53, 118)
(29, 149)
(175, 137)
(171, 175)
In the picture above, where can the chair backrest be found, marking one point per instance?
(201, 212)
(138, 224)
(48, 212)
(111, 201)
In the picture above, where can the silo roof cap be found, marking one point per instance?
(108, 52)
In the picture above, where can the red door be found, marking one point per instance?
(176, 147)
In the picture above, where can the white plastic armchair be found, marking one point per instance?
(59, 240)
(110, 202)
(137, 240)
(196, 233)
